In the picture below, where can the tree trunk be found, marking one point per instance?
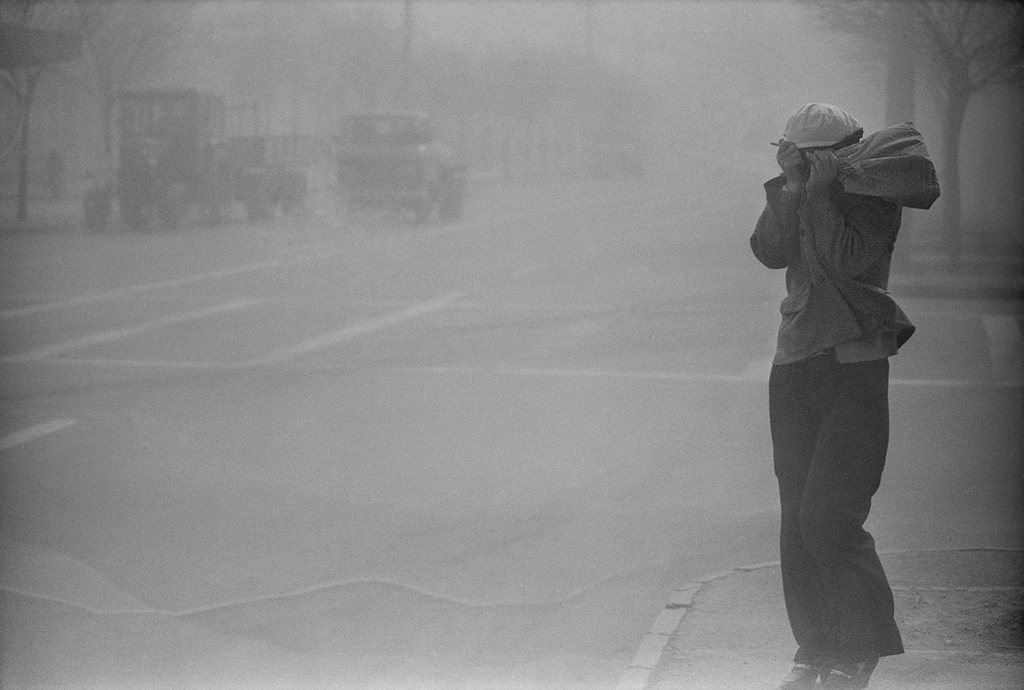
(530, 158)
(23, 158)
(900, 102)
(952, 234)
(108, 126)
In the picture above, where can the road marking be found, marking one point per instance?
(281, 358)
(32, 433)
(660, 375)
(577, 373)
(162, 284)
(341, 335)
(198, 365)
(1005, 349)
(758, 370)
(122, 333)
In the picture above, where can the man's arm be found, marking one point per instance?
(850, 232)
(776, 238)
(847, 232)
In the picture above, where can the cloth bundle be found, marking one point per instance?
(893, 164)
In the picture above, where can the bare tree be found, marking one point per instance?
(965, 45)
(11, 105)
(21, 79)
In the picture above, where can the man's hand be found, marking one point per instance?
(824, 167)
(793, 167)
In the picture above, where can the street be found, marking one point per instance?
(328, 452)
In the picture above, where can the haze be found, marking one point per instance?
(466, 410)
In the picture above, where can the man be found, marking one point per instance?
(831, 221)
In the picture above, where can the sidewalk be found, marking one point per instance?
(960, 613)
(45, 215)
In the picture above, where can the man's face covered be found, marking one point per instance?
(809, 154)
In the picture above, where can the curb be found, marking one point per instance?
(648, 654)
(667, 622)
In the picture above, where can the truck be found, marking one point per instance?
(394, 160)
(174, 156)
(169, 159)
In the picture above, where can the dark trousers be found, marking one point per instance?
(830, 433)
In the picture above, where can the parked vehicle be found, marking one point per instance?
(394, 161)
(168, 159)
(175, 156)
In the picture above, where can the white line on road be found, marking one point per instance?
(122, 333)
(661, 375)
(198, 365)
(281, 359)
(32, 433)
(578, 373)
(340, 335)
(161, 284)
(283, 596)
(1005, 349)
(758, 370)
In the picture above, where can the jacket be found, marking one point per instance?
(837, 246)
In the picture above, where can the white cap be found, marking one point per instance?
(819, 124)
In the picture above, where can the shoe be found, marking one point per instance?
(849, 676)
(802, 676)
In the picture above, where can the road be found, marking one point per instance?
(313, 453)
